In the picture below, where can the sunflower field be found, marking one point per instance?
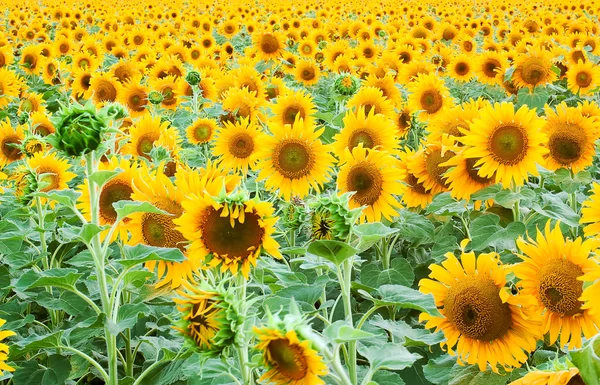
(356, 192)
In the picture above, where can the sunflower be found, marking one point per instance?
(104, 88)
(208, 317)
(228, 231)
(293, 159)
(448, 123)
(375, 178)
(4, 348)
(307, 72)
(490, 325)
(387, 86)
(9, 86)
(6, 56)
(289, 360)
(10, 141)
(269, 45)
(414, 194)
(552, 271)
(32, 60)
(168, 87)
(541, 377)
(292, 104)
(307, 48)
(428, 95)
(201, 131)
(583, 77)
(242, 103)
(159, 230)
(489, 67)
(143, 135)
(571, 138)
(117, 189)
(533, 68)
(52, 172)
(134, 96)
(371, 98)
(80, 86)
(426, 165)
(248, 77)
(461, 68)
(30, 103)
(236, 145)
(462, 178)
(374, 131)
(507, 143)
(41, 124)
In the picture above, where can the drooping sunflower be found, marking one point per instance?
(375, 177)
(143, 135)
(429, 95)
(236, 145)
(52, 171)
(371, 98)
(4, 348)
(486, 323)
(292, 159)
(201, 131)
(10, 140)
(552, 272)
(556, 377)
(288, 358)
(307, 72)
(533, 68)
(373, 131)
(426, 165)
(462, 177)
(292, 104)
(228, 231)
(583, 77)
(507, 143)
(104, 88)
(269, 45)
(208, 317)
(134, 96)
(571, 138)
(117, 189)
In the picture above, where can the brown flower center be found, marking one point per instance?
(559, 288)
(288, 359)
(241, 145)
(293, 158)
(508, 144)
(239, 241)
(366, 179)
(113, 191)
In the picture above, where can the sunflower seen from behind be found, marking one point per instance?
(292, 159)
(486, 324)
(508, 143)
(552, 271)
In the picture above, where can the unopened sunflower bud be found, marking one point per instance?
(115, 111)
(382, 33)
(155, 97)
(346, 85)
(193, 78)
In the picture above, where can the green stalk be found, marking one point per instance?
(44, 252)
(345, 280)
(242, 350)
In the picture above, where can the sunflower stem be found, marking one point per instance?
(242, 350)
(346, 280)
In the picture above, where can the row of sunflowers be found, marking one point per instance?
(351, 193)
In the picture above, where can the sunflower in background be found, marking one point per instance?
(583, 77)
(371, 98)
(143, 135)
(533, 68)
(414, 194)
(292, 160)
(307, 72)
(429, 95)
(552, 272)
(489, 67)
(104, 88)
(134, 96)
(479, 316)
(236, 145)
(294, 104)
(10, 85)
(52, 173)
(462, 177)
(242, 103)
(10, 142)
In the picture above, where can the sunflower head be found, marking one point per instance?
(332, 217)
(193, 78)
(346, 84)
(78, 128)
(209, 317)
(293, 214)
(4, 348)
(24, 182)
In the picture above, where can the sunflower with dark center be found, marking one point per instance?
(461, 68)
(508, 143)
(462, 177)
(269, 45)
(553, 272)
(487, 324)
(426, 165)
(414, 194)
(10, 142)
(209, 318)
(201, 131)
(236, 145)
(571, 138)
(293, 104)
(134, 96)
(292, 159)
(307, 72)
(288, 359)
(374, 177)
(371, 99)
(428, 95)
(372, 131)
(156, 229)
(116, 189)
(490, 66)
(104, 88)
(228, 232)
(533, 68)
(583, 77)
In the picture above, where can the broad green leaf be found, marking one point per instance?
(126, 207)
(390, 356)
(409, 336)
(437, 371)
(404, 297)
(136, 278)
(303, 293)
(414, 228)
(587, 360)
(128, 316)
(64, 278)
(471, 375)
(553, 207)
(342, 331)
(400, 273)
(102, 176)
(140, 253)
(34, 343)
(383, 377)
(486, 232)
(444, 204)
(293, 250)
(334, 251)
(66, 197)
(29, 373)
(371, 233)
(83, 233)
(536, 99)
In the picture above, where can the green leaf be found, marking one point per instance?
(437, 371)
(415, 228)
(444, 204)
(486, 232)
(34, 343)
(128, 316)
(66, 197)
(404, 297)
(29, 373)
(102, 176)
(399, 273)
(406, 334)
(333, 251)
(587, 360)
(371, 233)
(383, 377)
(389, 356)
(63, 278)
(341, 331)
(553, 207)
(471, 375)
(83, 233)
(125, 208)
(536, 99)
(140, 253)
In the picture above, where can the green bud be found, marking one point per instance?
(346, 85)
(23, 118)
(382, 33)
(115, 111)
(193, 78)
(322, 44)
(155, 97)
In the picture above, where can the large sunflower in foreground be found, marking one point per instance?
(375, 178)
(551, 271)
(4, 349)
(292, 159)
(479, 316)
(571, 138)
(288, 358)
(116, 189)
(507, 143)
(292, 104)
(226, 231)
(369, 130)
(561, 377)
(236, 145)
(429, 95)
